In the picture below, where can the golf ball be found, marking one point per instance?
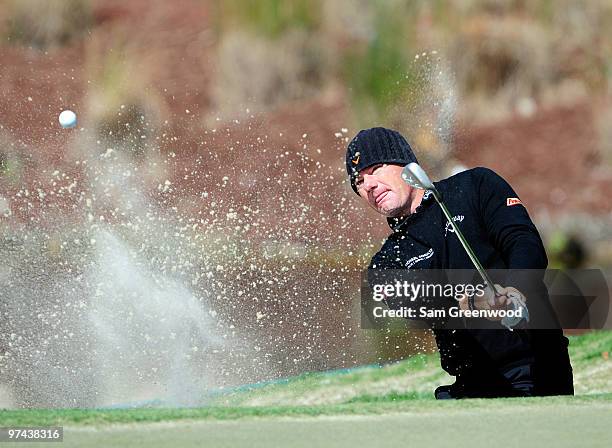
(68, 119)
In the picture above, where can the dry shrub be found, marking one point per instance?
(498, 61)
(345, 21)
(513, 52)
(46, 24)
(257, 73)
(124, 112)
(581, 35)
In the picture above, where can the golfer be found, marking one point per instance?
(485, 362)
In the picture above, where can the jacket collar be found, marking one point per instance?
(400, 223)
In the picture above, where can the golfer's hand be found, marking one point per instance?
(506, 299)
(490, 301)
(505, 296)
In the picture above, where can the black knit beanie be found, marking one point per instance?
(376, 145)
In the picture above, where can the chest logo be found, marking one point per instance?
(513, 201)
(449, 228)
(415, 260)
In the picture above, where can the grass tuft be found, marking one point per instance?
(270, 18)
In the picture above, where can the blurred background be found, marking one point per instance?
(196, 229)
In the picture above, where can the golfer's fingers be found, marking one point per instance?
(501, 302)
(515, 292)
(489, 295)
(501, 290)
(493, 298)
(502, 297)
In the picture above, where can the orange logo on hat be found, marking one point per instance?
(356, 158)
(513, 201)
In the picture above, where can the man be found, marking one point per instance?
(485, 362)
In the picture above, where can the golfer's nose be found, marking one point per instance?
(369, 182)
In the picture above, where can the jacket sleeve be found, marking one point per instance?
(514, 235)
(508, 225)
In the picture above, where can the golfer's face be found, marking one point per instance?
(382, 187)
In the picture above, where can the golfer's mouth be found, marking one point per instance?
(381, 197)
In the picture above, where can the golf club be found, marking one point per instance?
(416, 177)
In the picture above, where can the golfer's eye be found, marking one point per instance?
(377, 169)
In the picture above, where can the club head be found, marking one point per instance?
(416, 177)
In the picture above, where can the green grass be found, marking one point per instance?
(379, 73)
(415, 377)
(402, 387)
(419, 373)
(390, 403)
(474, 424)
(590, 346)
(269, 18)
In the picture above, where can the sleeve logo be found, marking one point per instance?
(513, 201)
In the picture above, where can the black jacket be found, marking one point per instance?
(503, 236)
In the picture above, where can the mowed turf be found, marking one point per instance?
(376, 406)
(557, 421)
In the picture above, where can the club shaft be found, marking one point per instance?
(465, 244)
